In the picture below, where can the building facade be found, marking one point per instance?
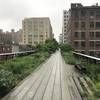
(83, 29)
(36, 30)
(64, 25)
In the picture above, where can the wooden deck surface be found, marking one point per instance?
(52, 81)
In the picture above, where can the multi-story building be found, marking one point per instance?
(83, 29)
(36, 30)
(64, 25)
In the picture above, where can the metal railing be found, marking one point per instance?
(5, 56)
(89, 58)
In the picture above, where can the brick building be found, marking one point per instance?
(83, 29)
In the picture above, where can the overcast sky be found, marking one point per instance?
(13, 11)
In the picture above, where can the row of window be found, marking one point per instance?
(83, 13)
(91, 25)
(92, 44)
(83, 35)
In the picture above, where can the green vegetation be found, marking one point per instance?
(50, 46)
(92, 70)
(69, 58)
(14, 70)
(66, 51)
(66, 47)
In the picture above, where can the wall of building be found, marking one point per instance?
(36, 30)
(64, 25)
(84, 29)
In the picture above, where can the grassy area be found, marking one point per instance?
(14, 70)
(92, 75)
(69, 58)
(92, 71)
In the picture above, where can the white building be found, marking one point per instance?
(64, 25)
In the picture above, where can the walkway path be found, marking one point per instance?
(52, 81)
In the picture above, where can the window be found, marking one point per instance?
(65, 12)
(76, 44)
(76, 24)
(98, 14)
(83, 35)
(76, 14)
(65, 27)
(64, 19)
(64, 30)
(91, 24)
(82, 24)
(41, 35)
(92, 44)
(76, 34)
(98, 44)
(64, 16)
(30, 42)
(97, 24)
(83, 13)
(91, 34)
(97, 34)
(91, 15)
(82, 44)
(64, 23)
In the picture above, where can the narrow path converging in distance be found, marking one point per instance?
(52, 81)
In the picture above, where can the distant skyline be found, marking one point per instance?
(12, 12)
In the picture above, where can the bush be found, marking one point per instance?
(97, 94)
(50, 46)
(7, 82)
(66, 47)
(69, 58)
(93, 71)
(15, 68)
(98, 86)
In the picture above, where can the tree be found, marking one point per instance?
(50, 46)
(66, 47)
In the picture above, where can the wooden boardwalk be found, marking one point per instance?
(52, 81)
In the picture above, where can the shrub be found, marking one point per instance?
(7, 82)
(98, 86)
(97, 94)
(66, 47)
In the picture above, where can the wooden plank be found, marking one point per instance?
(65, 91)
(57, 84)
(49, 89)
(41, 90)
